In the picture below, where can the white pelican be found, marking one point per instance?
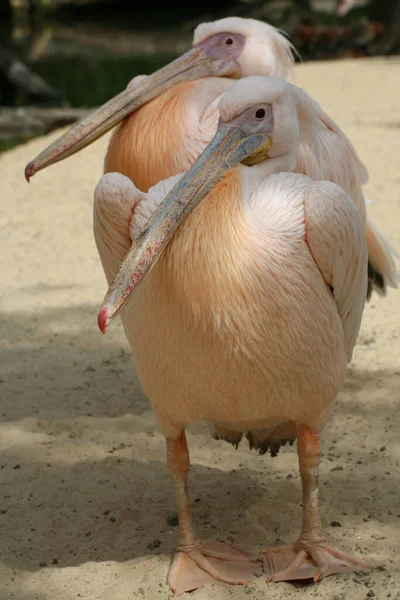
(253, 281)
(179, 114)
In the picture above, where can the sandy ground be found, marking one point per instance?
(85, 494)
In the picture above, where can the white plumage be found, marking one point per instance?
(248, 318)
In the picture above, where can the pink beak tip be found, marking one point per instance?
(102, 319)
(28, 170)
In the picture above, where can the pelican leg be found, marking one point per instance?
(195, 563)
(311, 557)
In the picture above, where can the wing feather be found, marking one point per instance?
(336, 237)
(326, 153)
(149, 202)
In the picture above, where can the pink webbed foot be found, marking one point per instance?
(290, 563)
(211, 562)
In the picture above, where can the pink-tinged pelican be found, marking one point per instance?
(179, 115)
(253, 282)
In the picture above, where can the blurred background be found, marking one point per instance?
(59, 58)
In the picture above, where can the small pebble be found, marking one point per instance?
(335, 524)
(173, 519)
(153, 545)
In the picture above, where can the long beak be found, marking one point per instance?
(194, 64)
(229, 147)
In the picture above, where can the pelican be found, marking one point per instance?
(246, 286)
(178, 117)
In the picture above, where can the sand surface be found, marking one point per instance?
(85, 495)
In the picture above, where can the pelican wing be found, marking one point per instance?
(149, 202)
(322, 139)
(119, 214)
(336, 238)
(349, 155)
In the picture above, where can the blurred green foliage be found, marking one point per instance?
(92, 81)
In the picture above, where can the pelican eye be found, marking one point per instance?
(229, 41)
(260, 113)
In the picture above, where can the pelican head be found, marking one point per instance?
(258, 121)
(231, 47)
